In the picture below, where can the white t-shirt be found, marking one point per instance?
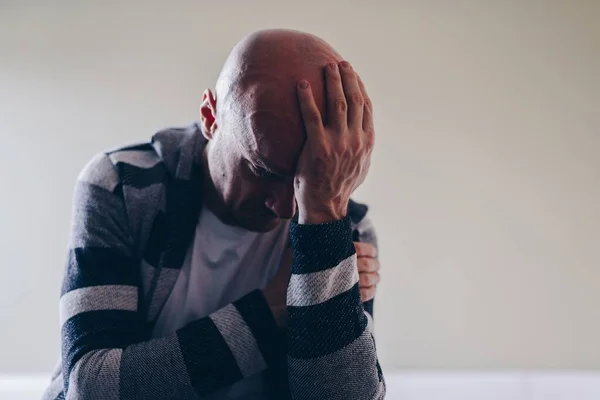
(223, 264)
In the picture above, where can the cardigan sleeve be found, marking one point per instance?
(331, 351)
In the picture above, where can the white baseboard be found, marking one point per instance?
(509, 385)
(425, 385)
(23, 387)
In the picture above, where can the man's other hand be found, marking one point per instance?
(368, 270)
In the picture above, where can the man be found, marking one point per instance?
(187, 276)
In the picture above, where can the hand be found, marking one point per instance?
(336, 157)
(276, 291)
(368, 270)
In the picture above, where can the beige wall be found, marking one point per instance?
(485, 184)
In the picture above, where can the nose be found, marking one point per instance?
(282, 201)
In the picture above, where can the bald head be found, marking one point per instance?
(257, 85)
(254, 122)
(275, 58)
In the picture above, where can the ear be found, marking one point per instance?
(208, 113)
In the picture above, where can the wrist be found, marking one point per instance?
(319, 218)
(321, 215)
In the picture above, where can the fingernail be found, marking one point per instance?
(332, 66)
(345, 64)
(303, 84)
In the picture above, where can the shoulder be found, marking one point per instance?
(135, 165)
(100, 171)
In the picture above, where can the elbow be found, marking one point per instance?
(96, 372)
(381, 392)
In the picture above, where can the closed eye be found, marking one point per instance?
(266, 174)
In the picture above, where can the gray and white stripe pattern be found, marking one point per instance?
(240, 340)
(97, 298)
(352, 380)
(140, 159)
(317, 287)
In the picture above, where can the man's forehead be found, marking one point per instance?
(272, 141)
(266, 109)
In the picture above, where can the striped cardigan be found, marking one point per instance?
(135, 212)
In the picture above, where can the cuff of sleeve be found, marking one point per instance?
(321, 246)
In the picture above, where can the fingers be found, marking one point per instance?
(310, 112)
(365, 249)
(368, 267)
(354, 97)
(336, 99)
(367, 123)
(366, 280)
(367, 293)
(348, 103)
(367, 264)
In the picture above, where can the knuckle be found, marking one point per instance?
(340, 105)
(365, 280)
(326, 153)
(373, 279)
(355, 148)
(357, 99)
(372, 264)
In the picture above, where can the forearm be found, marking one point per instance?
(331, 352)
(200, 358)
